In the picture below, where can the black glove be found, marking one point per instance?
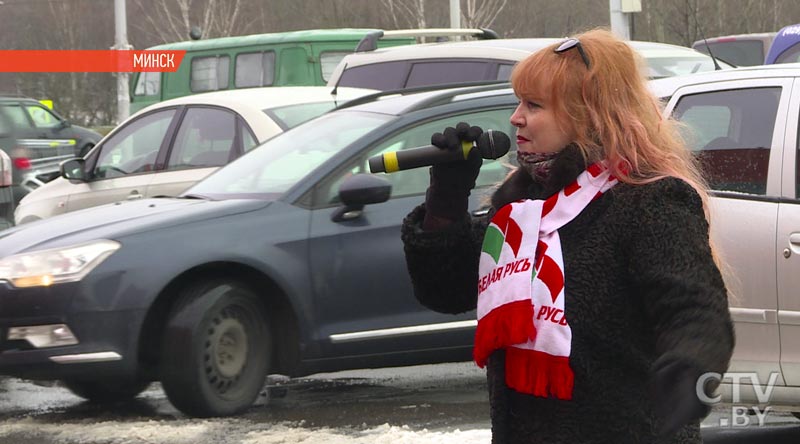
(451, 182)
(673, 390)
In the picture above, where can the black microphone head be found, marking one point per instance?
(493, 144)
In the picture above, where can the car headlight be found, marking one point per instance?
(48, 267)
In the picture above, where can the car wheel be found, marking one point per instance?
(85, 150)
(216, 349)
(103, 391)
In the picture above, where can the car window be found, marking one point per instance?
(290, 116)
(731, 134)
(205, 139)
(209, 73)
(448, 71)
(42, 117)
(415, 181)
(148, 84)
(255, 69)
(6, 128)
(248, 140)
(791, 55)
(797, 167)
(740, 52)
(504, 71)
(328, 61)
(282, 161)
(134, 148)
(382, 76)
(18, 117)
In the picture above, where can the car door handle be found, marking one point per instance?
(134, 195)
(794, 239)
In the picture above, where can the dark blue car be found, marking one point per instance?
(288, 260)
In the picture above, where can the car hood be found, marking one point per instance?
(117, 220)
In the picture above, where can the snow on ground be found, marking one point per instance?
(230, 432)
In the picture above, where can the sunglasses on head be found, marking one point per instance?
(568, 44)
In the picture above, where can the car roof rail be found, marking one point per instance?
(488, 84)
(447, 96)
(370, 41)
(14, 95)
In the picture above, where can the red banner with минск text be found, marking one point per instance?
(90, 60)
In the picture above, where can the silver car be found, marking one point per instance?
(489, 60)
(743, 126)
(167, 147)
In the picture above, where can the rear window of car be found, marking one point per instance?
(439, 72)
(738, 52)
(5, 125)
(382, 76)
(17, 116)
(290, 116)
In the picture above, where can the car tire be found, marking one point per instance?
(105, 391)
(216, 349)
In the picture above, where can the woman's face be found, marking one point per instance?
(537, 127)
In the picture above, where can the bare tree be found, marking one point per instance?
(483, 16)
(172, 20)
(406, 13)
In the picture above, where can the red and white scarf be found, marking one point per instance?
(521, 287)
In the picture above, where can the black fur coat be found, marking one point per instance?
(641, 288)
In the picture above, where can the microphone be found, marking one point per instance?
(491, 144)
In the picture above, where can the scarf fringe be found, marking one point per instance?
(538, 373)
(503, 326)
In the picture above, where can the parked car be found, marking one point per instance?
(43, 140)
(744, 128)
(785, 48)
(295, 58)
(169, 146)
(483, 60)
(288, 260)
(37, 123)
(740, 49)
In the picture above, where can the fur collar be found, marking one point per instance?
(519, 185)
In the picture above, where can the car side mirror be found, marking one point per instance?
(73, 170)
(360, 190)
(65, 124)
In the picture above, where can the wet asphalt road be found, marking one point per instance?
(442, 403)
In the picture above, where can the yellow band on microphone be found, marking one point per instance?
(466, 147)
(390, 162)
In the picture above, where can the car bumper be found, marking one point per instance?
(100, 341)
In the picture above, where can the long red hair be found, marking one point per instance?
(610, 108)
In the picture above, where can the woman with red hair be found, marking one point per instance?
(599, 298)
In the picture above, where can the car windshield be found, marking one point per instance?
(290, 116)
(271, 169)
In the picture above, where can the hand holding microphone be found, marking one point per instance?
(451, 182)
(453, 145)
(456, 156)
